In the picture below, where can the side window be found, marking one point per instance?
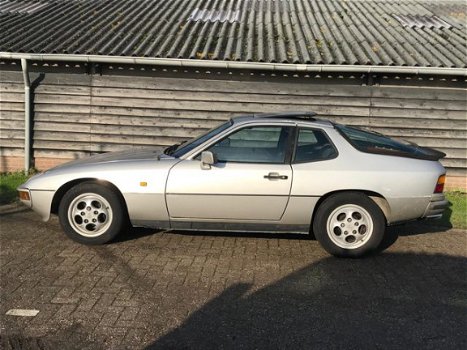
(265, 144)
(313, 145)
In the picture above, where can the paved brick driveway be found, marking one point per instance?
(192, 291)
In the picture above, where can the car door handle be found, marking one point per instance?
(276, 176)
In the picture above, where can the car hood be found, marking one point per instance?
(122, 156)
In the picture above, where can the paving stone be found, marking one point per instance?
(183, 290)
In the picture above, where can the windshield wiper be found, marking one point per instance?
(171, 149)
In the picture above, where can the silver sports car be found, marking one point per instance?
(285, 172)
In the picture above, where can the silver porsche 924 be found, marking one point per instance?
(284, 172)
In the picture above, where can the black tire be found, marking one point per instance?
(345, 235)
(110, 217)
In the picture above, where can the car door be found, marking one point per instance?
(251, 179)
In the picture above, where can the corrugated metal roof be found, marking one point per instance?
(422, 21)
(7, 6)
(296, 31)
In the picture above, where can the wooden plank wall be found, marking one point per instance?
(11, 114)
(77, 114)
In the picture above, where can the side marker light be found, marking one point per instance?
(24, 195)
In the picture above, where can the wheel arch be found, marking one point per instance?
(67, 186)
(379, 199)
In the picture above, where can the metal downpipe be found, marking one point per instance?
(27, 116)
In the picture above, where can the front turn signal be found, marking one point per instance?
(440, 184)
(24, 195)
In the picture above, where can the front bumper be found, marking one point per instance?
(39, 200)
(435, 209)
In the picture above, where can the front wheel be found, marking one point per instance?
(91, 213)
(349, 224)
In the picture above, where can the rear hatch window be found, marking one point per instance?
(372, 142)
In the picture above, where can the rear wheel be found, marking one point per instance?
(349, 224)
(91, 213)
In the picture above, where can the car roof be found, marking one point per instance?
(303, 117)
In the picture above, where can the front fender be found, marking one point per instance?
(141, 183)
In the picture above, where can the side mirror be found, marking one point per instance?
(207, 159)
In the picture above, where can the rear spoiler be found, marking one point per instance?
(424, 153)
(432, 154)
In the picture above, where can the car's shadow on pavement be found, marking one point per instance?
(385, 301)
(139, 232)
(391, 235)
(420, 227)
(135, 233)
(414, 228)
(260, 235)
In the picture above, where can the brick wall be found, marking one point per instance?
(456, 183)
(10, 163)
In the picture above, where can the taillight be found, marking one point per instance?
(440, 184)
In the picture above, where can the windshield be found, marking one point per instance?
(372, 142)
(179, 150)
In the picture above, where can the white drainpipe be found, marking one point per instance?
(27, 116)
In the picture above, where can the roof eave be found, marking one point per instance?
(262, 66)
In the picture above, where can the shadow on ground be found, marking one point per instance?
(391, 235)
(386, 301)
(135, 233)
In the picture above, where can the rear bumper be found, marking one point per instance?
(436, 207)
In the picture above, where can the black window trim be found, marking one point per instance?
(295, 144)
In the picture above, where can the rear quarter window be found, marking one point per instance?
(312, 146)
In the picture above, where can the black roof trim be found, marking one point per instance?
(289, 115)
